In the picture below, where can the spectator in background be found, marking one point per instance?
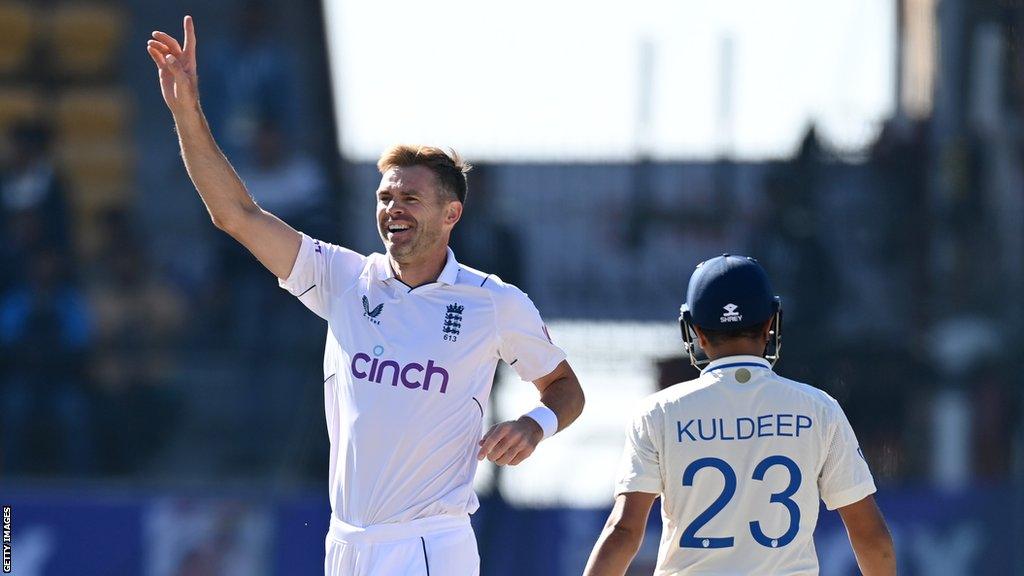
(253, 80)
(900, 162)
(788, 241)
(292, 186)
(241, 303)
(282, 181)
(137, 322)
(45, 334)
(33, 208)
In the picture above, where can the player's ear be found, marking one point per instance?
(453, 212)
(701, 338)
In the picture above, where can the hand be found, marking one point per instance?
(511, 442)
(177, 67)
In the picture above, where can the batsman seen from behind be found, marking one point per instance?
(740, 456)
(413, 340)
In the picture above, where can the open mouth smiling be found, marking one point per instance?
(397, 228)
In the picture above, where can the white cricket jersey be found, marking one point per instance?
(407, 374)
(740, 457)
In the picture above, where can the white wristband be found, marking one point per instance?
(546, 418)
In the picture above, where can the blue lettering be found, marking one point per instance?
(802, 422)
(763, 426)
(739, 428)
(700, 429)
(779, 423)
(685, 430)
(721, 428)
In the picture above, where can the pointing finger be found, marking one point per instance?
(190, 36)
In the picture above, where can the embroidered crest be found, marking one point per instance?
(452, 322)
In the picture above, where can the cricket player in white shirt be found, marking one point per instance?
(740, 456)
(413, 341)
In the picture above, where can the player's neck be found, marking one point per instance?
(727, 350)
(422, 270)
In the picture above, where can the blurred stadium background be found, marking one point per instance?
(160, 402)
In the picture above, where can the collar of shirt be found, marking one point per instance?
(736, 362)
(448, 275)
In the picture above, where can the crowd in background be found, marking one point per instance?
(893, 299)
(94, 332)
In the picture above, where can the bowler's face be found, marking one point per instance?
(413, 213)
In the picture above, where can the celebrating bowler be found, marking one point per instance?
(413, 341)
(740, 456)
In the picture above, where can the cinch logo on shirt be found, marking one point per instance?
(413, 375)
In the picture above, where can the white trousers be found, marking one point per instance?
(435, 546)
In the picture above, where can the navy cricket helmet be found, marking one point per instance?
(728, 293)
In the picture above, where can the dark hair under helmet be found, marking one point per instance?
(726, 293)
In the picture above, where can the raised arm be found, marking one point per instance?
(869, 537)
(232, 209)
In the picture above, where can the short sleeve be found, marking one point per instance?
(640, 467)
(524, 342)
(845, 477)
(321, 271)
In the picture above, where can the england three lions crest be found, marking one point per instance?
(452, 322)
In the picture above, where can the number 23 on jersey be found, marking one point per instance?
(690, 538)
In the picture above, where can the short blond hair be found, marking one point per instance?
(449, 168)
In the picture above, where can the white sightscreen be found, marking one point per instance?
(551, 81)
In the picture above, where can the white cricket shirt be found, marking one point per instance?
(407, 373)
(740, 457)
